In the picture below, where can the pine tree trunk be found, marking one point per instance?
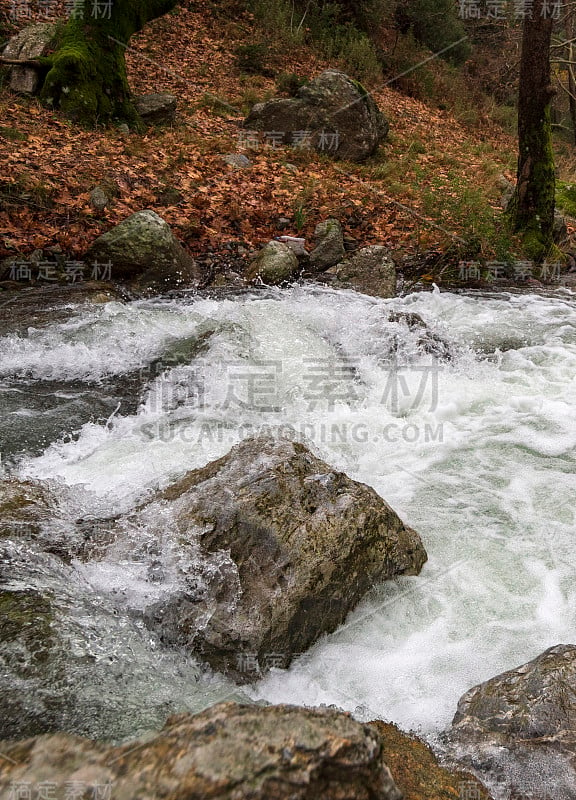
(87, 76)
(532, 206)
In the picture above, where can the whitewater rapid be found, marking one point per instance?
(471, 442)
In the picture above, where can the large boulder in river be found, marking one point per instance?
(518, 729)
(333, 113)
(229, 752)
(289, 547)
(29, 44)
(143, 247)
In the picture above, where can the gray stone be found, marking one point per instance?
(29, 44)
(507, 188)
(341, 117)
(99, 199)
(520, 726)
(560, 229)
(228, 752)
(290, 547)
(274, 264)
(237, 160)
(143, 247)
(370, 270)
(158, 108)
(329, 245)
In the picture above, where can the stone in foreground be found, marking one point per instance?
(518, 728)
(334, 114)
(291, 546)
(229, 752)
(143, 248)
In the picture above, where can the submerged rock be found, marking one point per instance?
(143, 248)
(69, 661)
(289, 547)
(518, 728)
(32, 694)
(428, 341)
(333, 113)
(230, 752)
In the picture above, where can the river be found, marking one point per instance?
(468, 431)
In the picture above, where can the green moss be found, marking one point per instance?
(87, 76)
(534, 217)
(12, 134)
(566, 197)
(361, 89)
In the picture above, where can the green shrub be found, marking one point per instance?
(289, 83)
(254, 58)
(435, 24)
(336, 28)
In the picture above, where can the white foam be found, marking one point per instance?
(482, 465)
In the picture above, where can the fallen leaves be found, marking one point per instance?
(53, 168)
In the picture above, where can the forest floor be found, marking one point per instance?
(435, 184)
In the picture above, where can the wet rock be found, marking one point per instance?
(25, 507)
(274, 264)
(32, 699)
(416, 770)
(142, 248)
(158, 108)
(230, 751)
(29, 44)
(293, 546)
(68, 660)
(517, 729)
(24, 306)
(428, 340)
(328, 245)
(337, 115)
(369, 270)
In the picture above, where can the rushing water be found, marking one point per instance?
(469, 433)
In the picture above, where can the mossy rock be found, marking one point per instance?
(339, 117)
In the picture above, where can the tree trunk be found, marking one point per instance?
(531, 209)
(87, 76)
(571, 79)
